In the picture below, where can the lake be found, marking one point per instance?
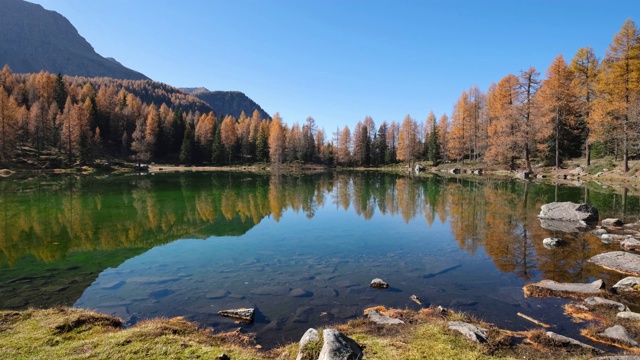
(300, 249)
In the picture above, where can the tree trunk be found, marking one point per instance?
(557, 138)
(588, 154)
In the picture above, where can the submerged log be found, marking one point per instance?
(244, 314)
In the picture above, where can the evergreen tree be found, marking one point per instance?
(186, 150)
(60, 92)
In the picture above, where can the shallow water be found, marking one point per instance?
(300, 249)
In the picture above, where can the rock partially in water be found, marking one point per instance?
(599, 232)
(546, 288)
(619, 261)
(338, 346)
(244, 314)
(454, 171)
(612, 222)
(380, 319)
(630, 284)
(569, 211)
(596, 300)
(416, 300)
(470, 331)
(569, 342)
(378, 283)
(619, 334)
(552, 243)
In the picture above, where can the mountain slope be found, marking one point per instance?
(34, 39)
(229, 102)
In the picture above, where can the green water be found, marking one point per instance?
(301, 249)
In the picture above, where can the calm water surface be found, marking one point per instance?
(300, 249)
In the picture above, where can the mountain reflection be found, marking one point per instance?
(89, 214)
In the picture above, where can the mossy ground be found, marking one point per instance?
(63, 333)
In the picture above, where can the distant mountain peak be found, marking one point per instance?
(228, 102)
(33, 39)
(194, 90)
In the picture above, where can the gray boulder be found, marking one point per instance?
(552, 243)
(631, 244)
(596, 300)
(599, 232)
(470, 331)
(569, 342)
(547, 288)
(628, 284)
(380, 319)
(310, 336)
(620, 261)
(569, 211)
(620, 334)
(628, 315)
(378, 284)
(338, 346)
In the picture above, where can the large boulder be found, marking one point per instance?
(338, 346)
(620, 261)
(569, 211)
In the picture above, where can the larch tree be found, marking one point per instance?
(585, 67)
(229, 136)
(459, 138)
(501, 105)
(408, 147)
(558, 127)
(276, 140)
(39, 125)
(152, 129)
(528, 86)
(361, 145)
(619, 89)
(8, 113)
(443, 135)
(344, 143)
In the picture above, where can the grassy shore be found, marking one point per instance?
(64, 333)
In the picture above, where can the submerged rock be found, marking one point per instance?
(338, 346)
(378, 284)
(620, 261)
(568, 211)
(470, 331)
(547, 288)
(244, 314)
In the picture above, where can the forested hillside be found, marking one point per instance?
(582, 106)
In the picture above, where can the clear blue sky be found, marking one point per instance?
(341, 60)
